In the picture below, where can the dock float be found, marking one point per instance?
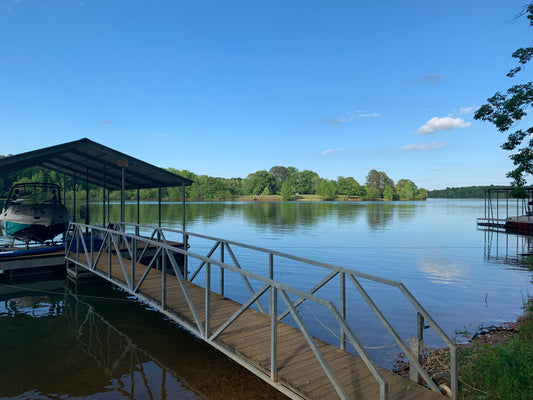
(288, 357)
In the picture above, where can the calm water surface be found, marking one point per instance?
(103, 344)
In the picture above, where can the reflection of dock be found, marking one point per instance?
(502, 247)
(114, 352)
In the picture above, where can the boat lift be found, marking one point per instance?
(508, 209)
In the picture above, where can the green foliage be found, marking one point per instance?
(286, 182)
(327, 190)
(388, 193)
(349, 187)
(467, 192)
(288, 191)
(503, 371)
(378, 180)
(371, 193)
(422, 194)
(506, 110)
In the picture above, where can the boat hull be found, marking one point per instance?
(34, 222)
(521, 224)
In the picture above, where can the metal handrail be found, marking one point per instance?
(275, 287)
(422, 315)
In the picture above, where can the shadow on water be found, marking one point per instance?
(100, 344)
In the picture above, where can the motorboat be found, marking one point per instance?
(34, 212)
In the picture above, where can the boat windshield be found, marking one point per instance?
(34, 193)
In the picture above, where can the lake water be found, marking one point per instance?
(102, 344)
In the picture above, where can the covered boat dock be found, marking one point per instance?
(508, 209)
(88, 162)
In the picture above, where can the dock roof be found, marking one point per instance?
(98, 164)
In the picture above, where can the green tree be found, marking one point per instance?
(371, 193)
(257, 182)
(406, 189)
(349, 187)
(287, 191)
(422, 194)
(308, 182)
(506, 110)
(388, 193)
(378, 180)
(327, 190)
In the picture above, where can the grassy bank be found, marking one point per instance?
(501, 369)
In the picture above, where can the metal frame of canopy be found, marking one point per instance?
(99, 165)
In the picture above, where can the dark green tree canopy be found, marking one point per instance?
(378, 180)
(506, 110)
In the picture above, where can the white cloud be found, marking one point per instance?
(370, 115)
(338, 121)
(466, 110)
(424, 146)
(329, 151)
(436, 124)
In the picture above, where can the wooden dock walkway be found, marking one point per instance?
(249, 338)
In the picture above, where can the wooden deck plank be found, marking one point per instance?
(249, 337)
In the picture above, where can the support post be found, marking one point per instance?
(415, 345)
(123, 197)
(103, 195)
(185, 239)
(164, 278)
(222, 269)
(87, 217)
(138, 211)
(207, 300)
(74, 204)
(133, 261)
(273, 334)
(159, 204)
(342, 301)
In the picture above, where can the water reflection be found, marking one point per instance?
(100, 344)
(506, 248)
(275, 215)
(448, 274)
(379, 214)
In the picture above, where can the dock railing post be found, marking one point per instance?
(273, 334)
(164, 278)
(133, 260)
(109, 250)
(342, 279)
(207, 300)
(453, 372)
(222, 269)
(91, 256)
(415, 345)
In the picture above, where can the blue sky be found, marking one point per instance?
(226, 88)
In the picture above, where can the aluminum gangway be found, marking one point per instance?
(274, 341)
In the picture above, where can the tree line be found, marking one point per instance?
(286, 182)
(466, 192)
